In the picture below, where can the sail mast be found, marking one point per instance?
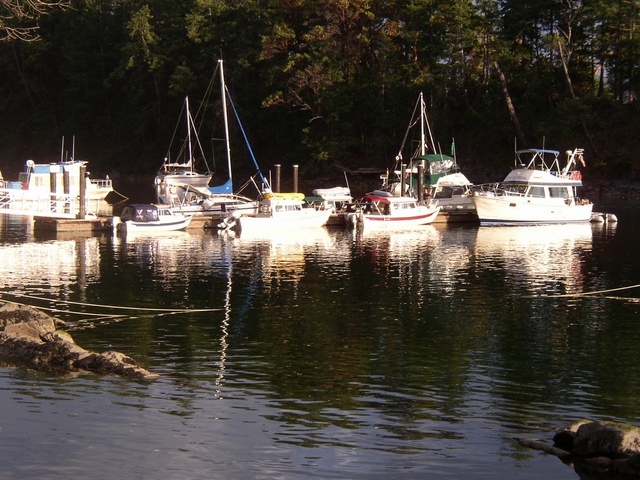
(226, 121)
(189, 133)
(422, 115)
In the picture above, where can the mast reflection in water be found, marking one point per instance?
(324, 354)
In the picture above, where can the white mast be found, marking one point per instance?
(224, 115)
(189, 132)
(422, 129)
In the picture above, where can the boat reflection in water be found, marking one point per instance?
(282, 255)
(541, 257)
(424, 259)
(49, 270)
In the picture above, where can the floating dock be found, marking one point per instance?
(72, 225)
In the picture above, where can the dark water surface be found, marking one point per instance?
(420, 354)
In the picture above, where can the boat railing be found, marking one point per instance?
(499, 190)
(485, 187)
(19, 202)
(102, 183)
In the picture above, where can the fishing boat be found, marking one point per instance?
(150, 218)
(430, 175)
(536, 191)
(336, 199)
(179, 185)
(63, 189)
(281, 211)
(381, 210)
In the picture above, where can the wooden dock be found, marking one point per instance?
(72, 225)
(89, 226)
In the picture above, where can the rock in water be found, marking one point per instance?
(29, 337)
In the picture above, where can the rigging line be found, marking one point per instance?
(584, 294)
(116, 307)
(233, 107)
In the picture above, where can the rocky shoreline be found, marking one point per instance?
(33, 339)
(600, 447)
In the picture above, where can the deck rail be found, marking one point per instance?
(19, 202)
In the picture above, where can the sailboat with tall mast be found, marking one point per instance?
(179, 185)
(442, 183)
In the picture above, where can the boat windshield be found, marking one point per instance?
(517, 189)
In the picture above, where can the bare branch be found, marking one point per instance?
(19, 18)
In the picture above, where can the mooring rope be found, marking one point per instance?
(110, 307)
(589, 294)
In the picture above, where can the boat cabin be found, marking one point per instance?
(385, 205)
(142, 212)
(280, 203)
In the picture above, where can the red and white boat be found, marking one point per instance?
(381, 210)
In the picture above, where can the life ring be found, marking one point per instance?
(576, 175)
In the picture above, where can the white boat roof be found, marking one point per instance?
(538, 177)
(332, 193)
(453, 180)
(538, 150)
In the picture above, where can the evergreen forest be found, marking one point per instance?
(323, 83)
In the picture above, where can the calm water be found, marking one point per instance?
(420, 354)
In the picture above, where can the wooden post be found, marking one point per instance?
(53, 180)
(403, 169)
(66, 186)
(420, 182)
(82, 211)
(295, 179)
(276, 183)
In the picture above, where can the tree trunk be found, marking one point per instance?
(512, 110)
(567, 77)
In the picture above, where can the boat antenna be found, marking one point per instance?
(62, 151)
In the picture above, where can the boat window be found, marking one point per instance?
(444, 192)
(518, 189)
(264, 208)
(558, 192)
(537, 192)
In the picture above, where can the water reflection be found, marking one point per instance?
(52, 270)
(281, 256)
(545, 258)
(392, 353)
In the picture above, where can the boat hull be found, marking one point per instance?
(502, 210)
(150, 219)
(131, 226)
(305, 218)
(393, 222)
